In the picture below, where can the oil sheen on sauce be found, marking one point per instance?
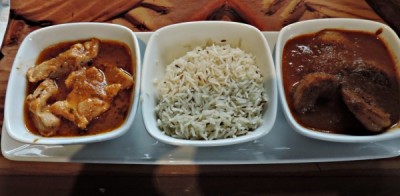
(111, 52)
(338, 52)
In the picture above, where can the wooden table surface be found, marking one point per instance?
(372, 177)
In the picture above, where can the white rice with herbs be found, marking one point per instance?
(211, 93)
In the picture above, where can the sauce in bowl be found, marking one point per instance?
(110, 53)
(339, 81)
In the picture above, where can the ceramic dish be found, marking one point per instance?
(27, 54)
(281, 145)
(171, 42)
(307, 27)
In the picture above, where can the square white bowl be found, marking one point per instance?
(26, 57)
(312, 26)
(171, 42)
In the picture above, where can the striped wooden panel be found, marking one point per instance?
(149, 15)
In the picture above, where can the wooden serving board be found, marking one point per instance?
(149, 15)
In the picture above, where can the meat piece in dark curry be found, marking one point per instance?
(339, 81)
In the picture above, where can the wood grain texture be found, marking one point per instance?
(149, 15)
(340, 178)
(16, 32)
(61, 11)
(373, 177)
(389, 10)
(188, 185)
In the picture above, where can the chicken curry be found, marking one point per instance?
(79, 88)
(340, 81)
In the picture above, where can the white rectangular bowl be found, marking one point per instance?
(26, 57)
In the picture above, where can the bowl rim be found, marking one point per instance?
(320, 24)
(159, 135)
(59, 140)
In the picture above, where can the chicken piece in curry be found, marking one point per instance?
(80, 88)
(45, 121)
(72, 59)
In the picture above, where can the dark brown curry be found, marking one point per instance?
(340, 81)
(110, 52)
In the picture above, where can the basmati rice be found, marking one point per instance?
(211, 93)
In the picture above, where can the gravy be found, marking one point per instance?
(111, 52)
(341, 53)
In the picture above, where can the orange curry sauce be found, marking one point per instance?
(111, 52)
